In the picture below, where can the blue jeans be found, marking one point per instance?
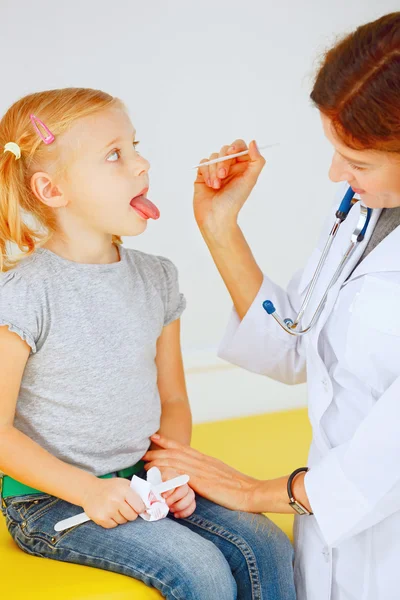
(215, 554)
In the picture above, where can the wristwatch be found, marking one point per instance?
(297, 506)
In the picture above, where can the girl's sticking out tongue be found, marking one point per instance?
(145, 208)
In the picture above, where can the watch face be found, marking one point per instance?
(299, 508)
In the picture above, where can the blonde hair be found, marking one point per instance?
(58, 109)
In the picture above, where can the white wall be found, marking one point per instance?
(195, 76)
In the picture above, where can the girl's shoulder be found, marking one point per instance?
(22, 299)
(151, 266)
(30, 271)
(161, 274)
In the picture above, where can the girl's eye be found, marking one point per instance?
(114, 156)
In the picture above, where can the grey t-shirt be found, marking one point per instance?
(89, 391)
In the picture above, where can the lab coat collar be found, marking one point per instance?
(384, 257)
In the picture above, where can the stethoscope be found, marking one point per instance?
(358, 235)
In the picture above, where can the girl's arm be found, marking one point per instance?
(176, 418)
(109, 502)
(20, 457)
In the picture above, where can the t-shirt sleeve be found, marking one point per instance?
(18, 308)
(174, 301)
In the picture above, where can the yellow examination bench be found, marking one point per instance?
(264, 446)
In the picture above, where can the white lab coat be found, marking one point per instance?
(350, 548)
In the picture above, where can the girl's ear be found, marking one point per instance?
(45, 191)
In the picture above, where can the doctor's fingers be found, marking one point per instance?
(212, 174)
(176, 455)
(187, 466)
(170, 445)
(168, 473)
(220, 170)
(209, 172)
(173, 454)
(224, 168)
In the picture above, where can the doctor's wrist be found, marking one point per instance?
(261, 498)
(271, 496)
(223, 236)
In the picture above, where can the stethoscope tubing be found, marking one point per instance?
(357, 236)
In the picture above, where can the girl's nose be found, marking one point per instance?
(141, 166)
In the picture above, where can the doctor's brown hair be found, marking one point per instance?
(358, 86)
(25, 222)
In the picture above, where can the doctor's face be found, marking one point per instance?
(372, 174)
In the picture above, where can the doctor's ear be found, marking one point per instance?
(46, 191)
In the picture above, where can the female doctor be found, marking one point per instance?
(347, 541)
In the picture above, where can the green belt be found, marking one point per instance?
(12, 487)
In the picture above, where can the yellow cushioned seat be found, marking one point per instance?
(264, 446)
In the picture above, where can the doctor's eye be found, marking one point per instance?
(356, 167)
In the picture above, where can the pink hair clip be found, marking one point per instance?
(49, 138)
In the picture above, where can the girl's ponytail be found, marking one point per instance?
(14, 230)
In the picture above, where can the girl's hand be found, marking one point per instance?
(112, 502)
(221, 190)
(209, 477)
(181, 501)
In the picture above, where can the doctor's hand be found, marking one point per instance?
(209, 477)
(221, 190)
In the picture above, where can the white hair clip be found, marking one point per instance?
(14, 148)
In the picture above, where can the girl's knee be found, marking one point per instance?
(207, 576)
(266, 540)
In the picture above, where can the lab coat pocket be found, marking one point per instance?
(373, 337)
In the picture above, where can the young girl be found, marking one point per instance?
(91, 367)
